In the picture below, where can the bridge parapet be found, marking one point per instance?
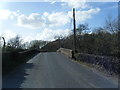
(67, 52)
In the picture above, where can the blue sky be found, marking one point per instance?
(45, 20)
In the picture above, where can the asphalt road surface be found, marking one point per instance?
(54, 70)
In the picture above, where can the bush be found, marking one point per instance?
(10, 60)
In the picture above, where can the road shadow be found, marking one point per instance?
(17, 77)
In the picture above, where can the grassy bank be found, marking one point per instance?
(110, 64)
(11, 60)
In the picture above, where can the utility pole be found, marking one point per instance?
(119, 30)
(74, 29)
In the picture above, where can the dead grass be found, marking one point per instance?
(98, 69)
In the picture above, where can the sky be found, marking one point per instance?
(45, 20)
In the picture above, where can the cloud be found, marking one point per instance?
(81, 4)
(32, 21)
(46, 21)
(82, 16)
(49, 34)
(29, 38)
(55, 19)
(75, 0)
(36, 21)
(57, 0)
(75, 3)
(7, 14)
(7, 34)
(49, 20)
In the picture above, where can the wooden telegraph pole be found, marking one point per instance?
(74, 29)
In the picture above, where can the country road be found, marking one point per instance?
(54, 70)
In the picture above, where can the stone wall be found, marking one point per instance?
(108, 63)
(67, 52)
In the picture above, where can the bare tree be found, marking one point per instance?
(111, 25)
(25, 45)
(82, 28)
(37, 44)
(15, 42)
(59, 39)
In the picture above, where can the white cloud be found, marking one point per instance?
(7, 34)
(32, 21)
(82, 16)
(46, 20)
(81, 4)
(49, 34)
(56, 19)
(37, 21)
(29, 38)
(7, 14)
(75, 3)
(56, 0)
(75, 0)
